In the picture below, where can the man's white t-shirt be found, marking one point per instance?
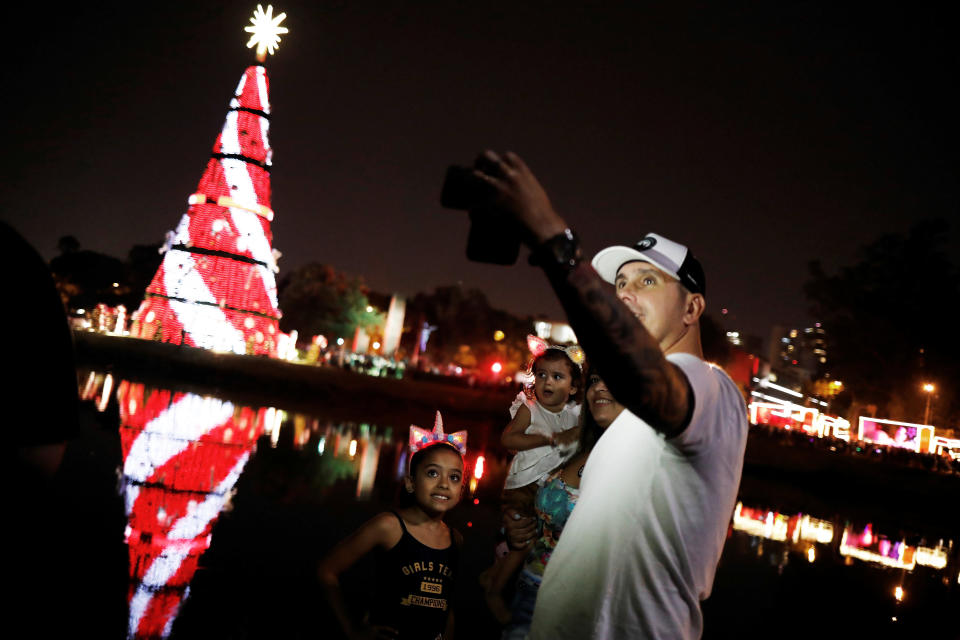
(640, 549)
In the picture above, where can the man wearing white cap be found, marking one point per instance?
(640, 549)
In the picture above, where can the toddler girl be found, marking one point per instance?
(544, 432)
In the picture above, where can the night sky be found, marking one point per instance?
(762, 135)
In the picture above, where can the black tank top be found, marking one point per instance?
(414, 589)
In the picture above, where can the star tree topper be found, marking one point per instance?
(266, 31)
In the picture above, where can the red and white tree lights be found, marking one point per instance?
(216, 287)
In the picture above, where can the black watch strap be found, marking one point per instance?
(562, 250)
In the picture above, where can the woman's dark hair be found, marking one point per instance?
(576, 375)
(590, 431)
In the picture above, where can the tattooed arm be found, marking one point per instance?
(629, 358)
(623, 351)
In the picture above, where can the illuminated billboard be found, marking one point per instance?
(788, 415)
(906, 435)
(836, 427)
(941, 445)
(784, 416)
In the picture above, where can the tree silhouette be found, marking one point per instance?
(68, 244)
(464, 318)
(85, 278)
(318, 299)
(888, 321)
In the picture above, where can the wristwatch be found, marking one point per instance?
(562, 250)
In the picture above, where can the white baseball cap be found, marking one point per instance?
(670, 257)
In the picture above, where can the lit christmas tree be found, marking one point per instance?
(216, 287)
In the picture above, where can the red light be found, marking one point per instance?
(469, 524)
(496, 367)
(476, 501)
(478, 468)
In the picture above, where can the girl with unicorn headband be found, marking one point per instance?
(417, 554)
(543, 431)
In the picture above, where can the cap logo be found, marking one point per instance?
(646, 243)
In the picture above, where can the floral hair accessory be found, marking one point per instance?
(538, 346)
(422, 438)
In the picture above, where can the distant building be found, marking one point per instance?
(798, 356)
(747, 342)
(743, 367)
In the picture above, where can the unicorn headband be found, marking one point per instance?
(422, 438)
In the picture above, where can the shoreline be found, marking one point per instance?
(262, 381)
(775, 475)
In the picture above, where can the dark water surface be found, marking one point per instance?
(221, 511)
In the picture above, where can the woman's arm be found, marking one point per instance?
(380, 531)
(514, 438)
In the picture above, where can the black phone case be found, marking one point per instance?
(493, 238)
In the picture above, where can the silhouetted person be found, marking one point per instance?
(66, 568)
(38, 353)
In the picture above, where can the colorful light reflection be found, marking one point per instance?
(182, 456)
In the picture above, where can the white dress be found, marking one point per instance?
(534, 465)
